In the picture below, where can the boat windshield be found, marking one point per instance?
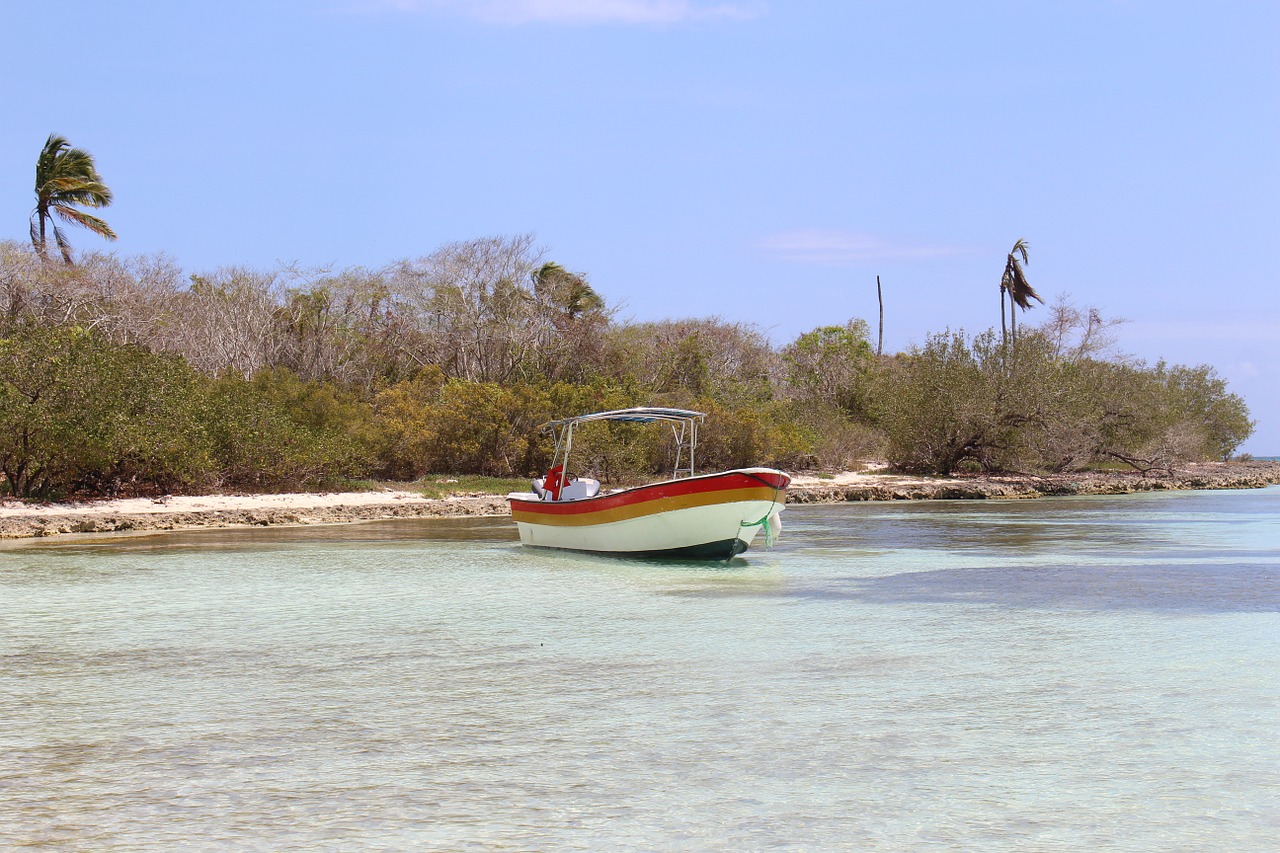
(684, 429)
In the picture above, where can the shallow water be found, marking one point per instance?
(1057, 674)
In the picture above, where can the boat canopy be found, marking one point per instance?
(684, 429)
(640, 415)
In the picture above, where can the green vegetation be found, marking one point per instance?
(125, 376)
(1029, 407)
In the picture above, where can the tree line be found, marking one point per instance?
(127, 375)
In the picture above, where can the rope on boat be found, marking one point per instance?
(764, 522)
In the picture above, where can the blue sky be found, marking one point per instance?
(757, 159)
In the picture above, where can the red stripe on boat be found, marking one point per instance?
(657, 491)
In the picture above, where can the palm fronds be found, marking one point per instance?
(1014, 281)
(66, 178)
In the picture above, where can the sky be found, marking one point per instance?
(757, 160)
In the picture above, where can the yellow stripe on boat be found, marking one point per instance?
(642, 508)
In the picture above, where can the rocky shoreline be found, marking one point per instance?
(889, 487)
(25, 521)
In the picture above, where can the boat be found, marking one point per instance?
(689, 516)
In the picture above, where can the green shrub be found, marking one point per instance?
(266, 438)
(80, 414)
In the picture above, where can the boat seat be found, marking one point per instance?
(583, 487)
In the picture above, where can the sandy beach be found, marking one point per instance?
(19, 520)
(24, 520)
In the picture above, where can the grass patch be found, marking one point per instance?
(343, 484)
(443, 486)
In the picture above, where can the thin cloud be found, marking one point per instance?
(581, 12)
(845, 247)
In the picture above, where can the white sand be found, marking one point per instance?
(305, 501)
(211, 503)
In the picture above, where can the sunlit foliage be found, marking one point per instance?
(129, 376)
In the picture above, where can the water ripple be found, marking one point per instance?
(1052, 675)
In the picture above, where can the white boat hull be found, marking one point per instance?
(715, 516)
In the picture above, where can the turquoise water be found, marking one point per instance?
(1057, 674)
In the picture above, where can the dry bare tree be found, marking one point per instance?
(230, 322)
(1078, 333)
(477, 306)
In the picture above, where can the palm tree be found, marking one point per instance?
(566, 291)
(66, 177)
(1014, 282)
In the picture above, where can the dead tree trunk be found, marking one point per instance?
(880, 337)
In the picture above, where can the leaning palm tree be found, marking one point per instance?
(66, 178)
(1014, 283)
(566, 291)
